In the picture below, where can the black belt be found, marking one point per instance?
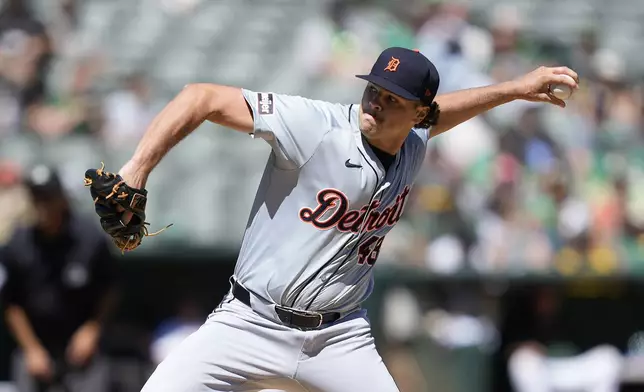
(304, 320)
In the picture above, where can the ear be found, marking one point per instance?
(421, 113)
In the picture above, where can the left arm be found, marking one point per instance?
(104, 307)
(460, 106)
(84, 342)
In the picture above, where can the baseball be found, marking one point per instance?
(561, 91)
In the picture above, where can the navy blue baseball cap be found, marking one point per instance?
(43, 182)
(406, 73)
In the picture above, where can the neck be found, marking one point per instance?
(50, 231)
(54, 226)
(387, 139)
(389, 146)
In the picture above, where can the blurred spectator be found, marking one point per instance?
(358, 30)
(71, 110)
(58, 289)
(24, 58)
(63, 18)
(510, 59)
(15, 208)
(582, 54)
(461, 51)
(530, 143)
(127, 112)
(504, 235)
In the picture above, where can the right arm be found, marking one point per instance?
(36, 356)
(21, 328)
(195, 104)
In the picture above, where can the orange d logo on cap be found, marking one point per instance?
(392, 65)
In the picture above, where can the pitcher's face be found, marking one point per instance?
(384, 112)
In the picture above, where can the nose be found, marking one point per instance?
(375, 105)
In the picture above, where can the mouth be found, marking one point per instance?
(368, 122)
(371, 117)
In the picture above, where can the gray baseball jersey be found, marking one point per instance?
(323, 208)
(324, 204)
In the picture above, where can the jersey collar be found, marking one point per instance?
(363, 145)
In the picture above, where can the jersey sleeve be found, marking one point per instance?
(293, 126)
(423, 134)
(419, 147)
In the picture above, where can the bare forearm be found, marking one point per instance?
(104, 307)
(21, 328)
(177, 120)
(460, 106)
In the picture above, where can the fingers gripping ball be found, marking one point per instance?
(561, 91)
(112, 196)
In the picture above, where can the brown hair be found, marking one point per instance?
(432, 116)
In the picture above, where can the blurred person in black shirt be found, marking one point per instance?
(58, 287)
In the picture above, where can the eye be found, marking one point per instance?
(392, 99)
(373, 89)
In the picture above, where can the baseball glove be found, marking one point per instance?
(112, 196)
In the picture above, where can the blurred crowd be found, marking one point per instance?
(532, 188)
(49, 79)
(525, 188)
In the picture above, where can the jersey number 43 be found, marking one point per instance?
(368, 250)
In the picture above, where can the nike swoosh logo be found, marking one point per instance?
(349, 164)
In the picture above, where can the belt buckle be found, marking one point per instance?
(320, 318)
(311, 313)
(308, 313)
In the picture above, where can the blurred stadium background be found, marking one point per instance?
(525, 206)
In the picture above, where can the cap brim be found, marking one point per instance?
(389, 85)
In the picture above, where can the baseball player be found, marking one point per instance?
(337, 180)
